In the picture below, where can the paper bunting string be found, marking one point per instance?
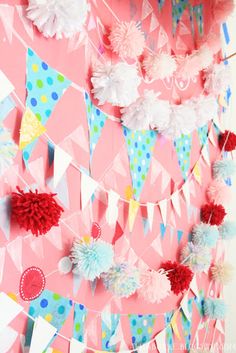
(9, 309)
(96, 121)
(169, 332)
(31, 128)
(76, 346)
(6, 106)
(187, 323)
(80, 315)
(45, 86)
(183, 146)
(141, 328)
(50, 306)
(6, 87)
(197, 13)
(108, 330)
(178, 8)
(140, 146)
(43, 333)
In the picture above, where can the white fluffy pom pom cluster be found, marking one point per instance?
(116, 84)
(159, 66)
(58, 17)
(217, 78)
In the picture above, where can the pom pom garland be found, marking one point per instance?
(228, 230)
(127, 40)
(159, 66)
(222, 272)
(213, 214)
(197, 257)
(155, 286)
(221, 9)
(214, 308)
(227, 141)
(224, 169)
(218, 192)
(92, 258)
(122, 280)
(205, 235)
(60, 18)
(180, 276)
(34, 211)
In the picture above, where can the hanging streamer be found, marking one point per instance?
(141, 328)
(80, 315)
(183, 146)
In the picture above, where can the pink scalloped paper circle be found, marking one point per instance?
(32, 283)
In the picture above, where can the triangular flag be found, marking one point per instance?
(80, 315)
(197, 173)
(163, 208)
(174, 324)
(31, 128)
(76, 346)
(141, 326)
(51, 151)
(110, 323)
(180, 44)
(145, 225)
(169, 332)
(197, 12)
(43, 332)
(160, 4)
(2, 262)
(157, 245)
(146, 9)
(112, 208)
(118, 233)
(6, 87)
(179, 235)
(220, 327)
(88, 186)
(61, 190)
(9, 309)
(28, 25)
(133, 209)
(6, 106)
(14, 249)
(36, 169)
(194, 286)
(96, 121)
(36, 245)
(150, 213)
(5, 216)
(162, 38)
(140, 146)
(186, 192)
(62, 161)
(205, 155)
(187, 321)
(144, 348)
(163, 229)
(8, 337)
(154, 23)
(183, 146)
(55, 237)
(7, 17)
(78, 136)
(178, 8)
(160, 340)
(176, 202)
(183, 29)
(77, 279)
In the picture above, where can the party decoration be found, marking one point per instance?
(43, 333)
(228, 230)
(197, 257)
(180, 276)
(112, 208)
(8, 337)
(214, 308)
(88, 187)
(8, 149)
(222, 272)
(32, 283)
(197, 12)
(76, 346)
(6, 106)
(96, 121)
(221, 9)
(133, 210)
(219, 193)
(60, 18)
(9, 310)
(110, 324)
(213, 214)
(227, 141)
(127, 40)
(62, 161)
(64, 265)
(217, 78)
(31, 128)
(159, 66)
(140, 145)
(178, 8)
(115, 83)
(169, 332)
(204, 234)
(187, 324)
(141, 328)
(154, 286)
(6, 86)
(96, 230)
(183, 146)
(224, 168)
(91, 258)
(80, 315)
(34, 211)
(122, 280)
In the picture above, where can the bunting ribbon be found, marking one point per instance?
(80, 315)
(169, 332)
(187, 323)
(110, 323)
(141, 328)
(183, 146)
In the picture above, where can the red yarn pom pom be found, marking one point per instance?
(227, 141)
(180, 276)
(213, 214)
(37, 212)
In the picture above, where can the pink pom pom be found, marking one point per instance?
(218, 192)
(159, 66)
(221, 9)
(155, 286)
(127, 40)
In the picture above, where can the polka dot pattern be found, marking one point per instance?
(80, 314)
(203, 134)
(187, 326)
(140, 145)
(178, 8)
(183, 146)
(199, 301)
(141, 328)
(169, 332)
(108, 332)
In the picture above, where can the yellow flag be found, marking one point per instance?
(222, 101)
(133, 209)
(175, 326)
(30, 129)
(197, 173)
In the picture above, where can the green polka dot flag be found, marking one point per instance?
(108, 332)
(140, 146)
(52, 307)
(183, 146)
(45, 86)
(203, 135)
(169, 332)
(80, 315)
(141, 328)
(178, 7)
(187, 325)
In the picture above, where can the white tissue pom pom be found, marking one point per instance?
(58, 17)
(159, 66)
(116, 84)
(206, 109)
(217, 78)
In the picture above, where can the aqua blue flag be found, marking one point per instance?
(160, 4)
(109, 327)
(178, 7)
(80, 315)
(183, 145)
(197, 13)
(187, 325)
(169, 331)
(141, 328)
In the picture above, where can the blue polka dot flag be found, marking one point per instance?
(197, 12)
(183, 146)
(161, 4)
(45, 86)
(80, 315)
(96, 121)
(187, 325)
(141, 328)
(108, 332)
(178, 7)
(52, 307)
(169, 332)
(140, 146)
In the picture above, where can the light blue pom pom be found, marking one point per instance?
(92, 259)
(228, 230)
(214, 308)
(205, 235)
(224, 169)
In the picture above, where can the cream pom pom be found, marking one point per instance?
(218, 192)
(116, 84)
(222, 272)
(217, 78)
(127, 40)
(58, 17)
(159, 66)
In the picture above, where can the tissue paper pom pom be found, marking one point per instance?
(37, 212)
(228, 230)
(205, 235)
(180, 276)
(154, 286)
(214, 308)
(219, 192)
(213, 214)
(197, 257)
(159, 66)
(224, 169)
(127, 40)
(147, 109)
(221, 9)
(122, 280)
(227, 141)
(206, 109)
(58, 18)
(116, 84)
(217, 78)
(222, 272)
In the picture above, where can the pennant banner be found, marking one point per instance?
(183, 146)
(45, 86)
(76, 346)
(169, 332)
(43, 333)
(6, 87)
(31, 128)
(197, 13)
(161, 4)
(187, 323)
(140, 146)
(80, 315)
(110, 323)
(6, 106)
(178, 8)
(141, 328)
(9, 309)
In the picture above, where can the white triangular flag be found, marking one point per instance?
(211, 137)
(186, 192)
(194, 286)
(14, 249)
(220, 327)
(21, 9)
(78, 137)
(154, 23)
(6, 87)
(112, 208)
(184, 306)
(106, 316)
(61, 162)
(163, 208)
(150, 213)
(55, 237)
(176, 203)
(43, 332)
(7, 339)
(88, 186)
(2, 262)
(205, 154)
(117, 335)
(162, 38)
(143, 348)
(146, 9)
(9, 309)
(165, 179)
(160, 340)
(76, 346)
(7, 17)
(36, 169)
(157, 245)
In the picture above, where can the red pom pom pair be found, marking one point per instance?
(180, 276)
